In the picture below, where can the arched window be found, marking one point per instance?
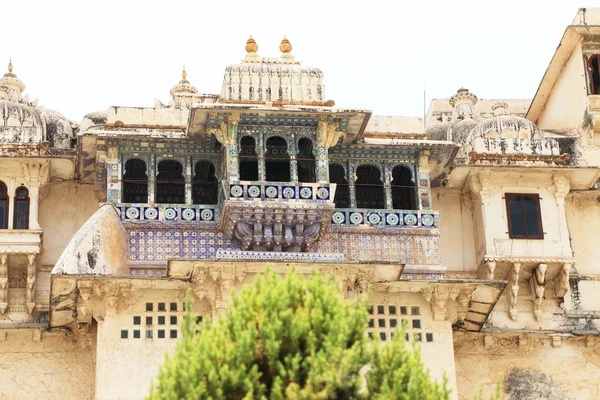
(135, 182)
(403, 188)
(594, 74)
(277, 160)
(170, 183)
(342, 190)
(21, 220)
(205, 188)
(369, 187)
(3, 206)
(248, 159)
(306, 161)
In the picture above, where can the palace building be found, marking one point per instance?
(476, 229)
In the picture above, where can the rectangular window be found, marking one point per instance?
(524, 216)
(149, 307)
(161, 307)
(124, 334)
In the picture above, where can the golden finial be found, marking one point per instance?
(10, 66)
(285, 45)
(251, 46)
(184, 74)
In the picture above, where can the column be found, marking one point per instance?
(322, 164)
(423, 184)
(114, 176)
(351, 179)
(151, 177)
(188, 179)
(11, 204)
(34, 191)
(293, 161)
(260, 153)
(230, 137)
(561, 188)
(31, 271)
(387, 188)
(3, 282)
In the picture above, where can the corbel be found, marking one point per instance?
(513, 290)
(31, 271)
(561, 283)
(438, 298)
(463, 299)
(538, 280)
(486, 270)
(3, 282)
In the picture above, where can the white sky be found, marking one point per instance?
(78, 56)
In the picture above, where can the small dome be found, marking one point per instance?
(437, 131)
(505, 126)
(462, 130)
(277, 80)
(183, 92)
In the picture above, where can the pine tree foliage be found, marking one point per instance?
(291, 338)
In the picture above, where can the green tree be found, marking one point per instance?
(291, 338)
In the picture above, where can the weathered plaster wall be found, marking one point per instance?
(532, 368)
(53, 368)
(457, 233)
(65, 209)
(127, 366)
(568, 100)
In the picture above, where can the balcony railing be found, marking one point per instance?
(286, 191)
(385, 218)
(170, 213)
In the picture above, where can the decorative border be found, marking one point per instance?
(385, 218)
(181, 213)
(278, 191)
(276, 255)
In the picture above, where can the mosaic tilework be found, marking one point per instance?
(169, 213)
(156, 246)
(279, 191)
(276, 255)
(385, 218)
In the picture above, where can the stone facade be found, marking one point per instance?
(475, 228)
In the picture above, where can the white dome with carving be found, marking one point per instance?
(280, 80)
(183, 92)
(24, 123)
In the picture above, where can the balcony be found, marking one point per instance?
(20, 241)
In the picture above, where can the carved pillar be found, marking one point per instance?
(233, 162)
(387, 189)
(260, 152)
(35, 174)
(538, 280)
(561, 284)
(481, 185)
(151, 177)
(351, 180)
(322, 164)
(561, 188)
(293, 161)
(34, 195)
(31, 271)
(3, 282)
(512, 289)
(424, 186)
(114, 176)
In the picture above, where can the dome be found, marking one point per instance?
(23, 123)
(437, 131)
(183, 92)
(277, 80)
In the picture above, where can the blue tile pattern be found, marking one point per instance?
(385, 218)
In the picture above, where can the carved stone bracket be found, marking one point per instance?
(486, 270)
(561, 283)
(111, 292)
(328, 134)
(438, 297)
(215, 284)
(277, 226)
(463, 300)
(538, 280)
(512, 291)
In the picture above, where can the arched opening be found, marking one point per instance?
(21, 220)
(403, 188)
(277, 160)
(170, 183)
(135, 182)
(337, 175)
(369, 187)
(205, 188)
(306, 161)
(594, 74)
(248, 159)
(3, 206)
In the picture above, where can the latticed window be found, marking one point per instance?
(277, 160)
(3, 206)
(170, 183)
(205, 188)
(21, 218)
(524, 216)
(135, 182)
(369, 187)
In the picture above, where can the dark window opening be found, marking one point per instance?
(337, 175)
(248, 159)
(594, 74)
(369, 187)
(205, 189)
(3, 206)
(403, 188)
(277, 160)
(135, 182)
(306, 161)
(170, 183)
(21, 220)
(524, 216)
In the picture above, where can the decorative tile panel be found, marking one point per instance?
(169, 213)
(385, 218)
(286, 191)
(238, 255)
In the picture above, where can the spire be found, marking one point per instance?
(251, 46)
(184, 74)
(285, 45)
(10, 66)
